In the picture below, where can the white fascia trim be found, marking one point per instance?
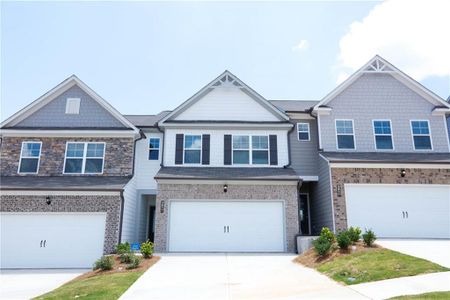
(227, 125)
(325, 111)
(439, 111)
(228, 182)
(67, 133)
(391, 165)
(300, 116)
(57, 193)
(309, 178)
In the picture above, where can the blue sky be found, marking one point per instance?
(144, 57)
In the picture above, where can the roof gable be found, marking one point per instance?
(226, 98)
(49, 111)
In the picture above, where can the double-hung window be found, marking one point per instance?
(383, 134)
(29, 157)
(303, 131)
(153, 148)
(421, 135)
(260, 149)
(192, 149)
(84, 158)
(255, 152)
(241, 149)
(345, 135)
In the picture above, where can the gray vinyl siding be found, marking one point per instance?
(320, 200)
(381, 96)
(54, 113)
(304, 154)
(448, 126)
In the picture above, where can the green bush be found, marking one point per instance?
(147, 249)
(328, 234)
(354, 233)
(322, 245)
(126, 258)
(134, 262)
(344, 240)
(369, 237)
(123, 248)
(104, 263)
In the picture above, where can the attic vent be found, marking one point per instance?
(226, 81)
(73, 106)
(378, 66)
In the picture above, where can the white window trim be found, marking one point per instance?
(39, 157)
(78, 100)
(353, 134)
(159, 148)
(412, 135)
(383, 134)
(201, 148)
(83, 165)
(250, 150)
(298, 131)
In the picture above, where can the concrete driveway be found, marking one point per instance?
(26, 284)
(234, 276)
(437, 251)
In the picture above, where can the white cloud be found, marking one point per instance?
(414, 35)
(301, 46)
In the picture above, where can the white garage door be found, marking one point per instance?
(232, 226)
(403, 211)
(51, 240)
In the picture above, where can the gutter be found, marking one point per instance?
(289, 146)
(122, 202)
(142, 136)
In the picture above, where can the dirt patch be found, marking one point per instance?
(312, 260)
(121, 268)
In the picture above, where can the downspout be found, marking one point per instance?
(289, 147)
(162, 152)
(122, 202)
(141, 136)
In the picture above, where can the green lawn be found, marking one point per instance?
(376, 264)
(107, 286)
(434, 296)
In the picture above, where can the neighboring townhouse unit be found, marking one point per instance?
(227, 170)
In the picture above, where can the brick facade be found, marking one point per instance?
(288, 193)
(341, 176)
(70, 203)
(118, 155)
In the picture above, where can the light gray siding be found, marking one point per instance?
(304, 154)
(381, 96)
(54, 113)
(320, 200)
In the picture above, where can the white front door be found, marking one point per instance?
(222, 226)
(400, 211)
(51, 240)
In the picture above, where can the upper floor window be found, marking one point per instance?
(84, 158)
(303, 131)
(73, 106)
(29, 157)
(256, 152)
(192, 149)
(153, 148)
(421, 135)
(345, 135)
(383, 134)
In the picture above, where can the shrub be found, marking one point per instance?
(126, 258)
(344, 240)
(328, 234)
(134, 262)
(104, 263)
(123, 248)
(354, 233)
(369, 237)
(147, 249)
(322, 245)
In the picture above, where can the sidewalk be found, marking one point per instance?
(411, 285)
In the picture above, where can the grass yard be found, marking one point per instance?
(367, 264)
(100, 284)
(427, 296)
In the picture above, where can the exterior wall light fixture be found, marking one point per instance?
(161, 207)
(48, 200)
(225, 188)
(338, 190)
(403, 172)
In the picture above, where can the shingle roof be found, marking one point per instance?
(231, 173)
(294, 105)
(384, 157)
(79, 183)
(146, 120)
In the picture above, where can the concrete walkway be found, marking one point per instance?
(234, 276)
(412, 285)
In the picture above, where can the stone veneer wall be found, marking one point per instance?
(118, 155)
(341, 176)
(288, 193)
(70, 203)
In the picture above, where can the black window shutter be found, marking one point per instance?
(205, 149)
(227, 149)
(179, 149)
(273, 150)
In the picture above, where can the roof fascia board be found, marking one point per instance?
(53, 192)
(226, 125)
(67, 133)
(229, 181)
(368, 165)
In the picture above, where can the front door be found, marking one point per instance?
(151, 224)
(304, 214)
